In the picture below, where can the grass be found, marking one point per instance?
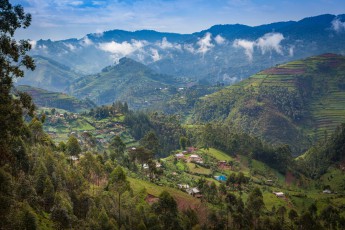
(194, 168)
(183, 199)
(219, 155)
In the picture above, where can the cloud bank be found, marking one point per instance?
(338, 26)
(268, 43)
(248, 47)
(205, 43)
(122, 49)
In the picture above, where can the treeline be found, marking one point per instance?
(224, 137)
(166, 128)
(109, 111)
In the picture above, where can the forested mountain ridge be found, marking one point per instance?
(49, 75)
(292, 103)
(128, 81)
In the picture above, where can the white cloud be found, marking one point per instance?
(155, 55)
(165, 44)
(86, 41)
(33, 44)
(338, 26)
(122, 49)
(219, 40)
(76, 3)
(189, 48)
(267, 43)
(70, 46)
(270, 42)
(205, 43)
(97, 3)
(248, 46)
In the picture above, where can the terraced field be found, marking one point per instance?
(293, 103)
(44, 98)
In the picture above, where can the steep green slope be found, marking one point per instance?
(44, 98)
(294, 103)
(127, 81)
(49, 75)
(328, 153)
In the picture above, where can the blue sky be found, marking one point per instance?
(62, 19)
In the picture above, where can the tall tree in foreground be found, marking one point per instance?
(12, 60)
(118, 182)
(166, 209)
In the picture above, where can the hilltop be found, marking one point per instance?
(49, 75)
(128, 81)
(294, 103)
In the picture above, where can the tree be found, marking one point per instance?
(12, 60)
(48, 194)
(183, 142)
(118, 182)
(166, 209)
(255, 203)
(117, 148)
(150, 142)
(72, 146)
(330, 216)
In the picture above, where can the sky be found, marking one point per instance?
(63, 19)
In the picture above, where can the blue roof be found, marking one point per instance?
(221, 178)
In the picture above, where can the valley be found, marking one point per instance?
(231, 127)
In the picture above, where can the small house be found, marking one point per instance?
(196, 158)
(327, 191)
(220, 178)
(179, 156)
(193, 191)
(279, 194)
(183, 186)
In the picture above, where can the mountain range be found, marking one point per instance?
(224, 53)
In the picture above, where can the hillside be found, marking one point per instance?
(44, 98)
(128, 81)
(49, 75)
(294, 103)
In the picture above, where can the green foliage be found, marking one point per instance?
(128, 81)
(183, 142)
(117, 149)
(150, 142)
(167, 129)
(72, 146)
(318, 159)
(45, 98)
(289, 104)
(166, 210)
(255, 201)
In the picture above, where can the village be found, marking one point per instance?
(183, 169)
